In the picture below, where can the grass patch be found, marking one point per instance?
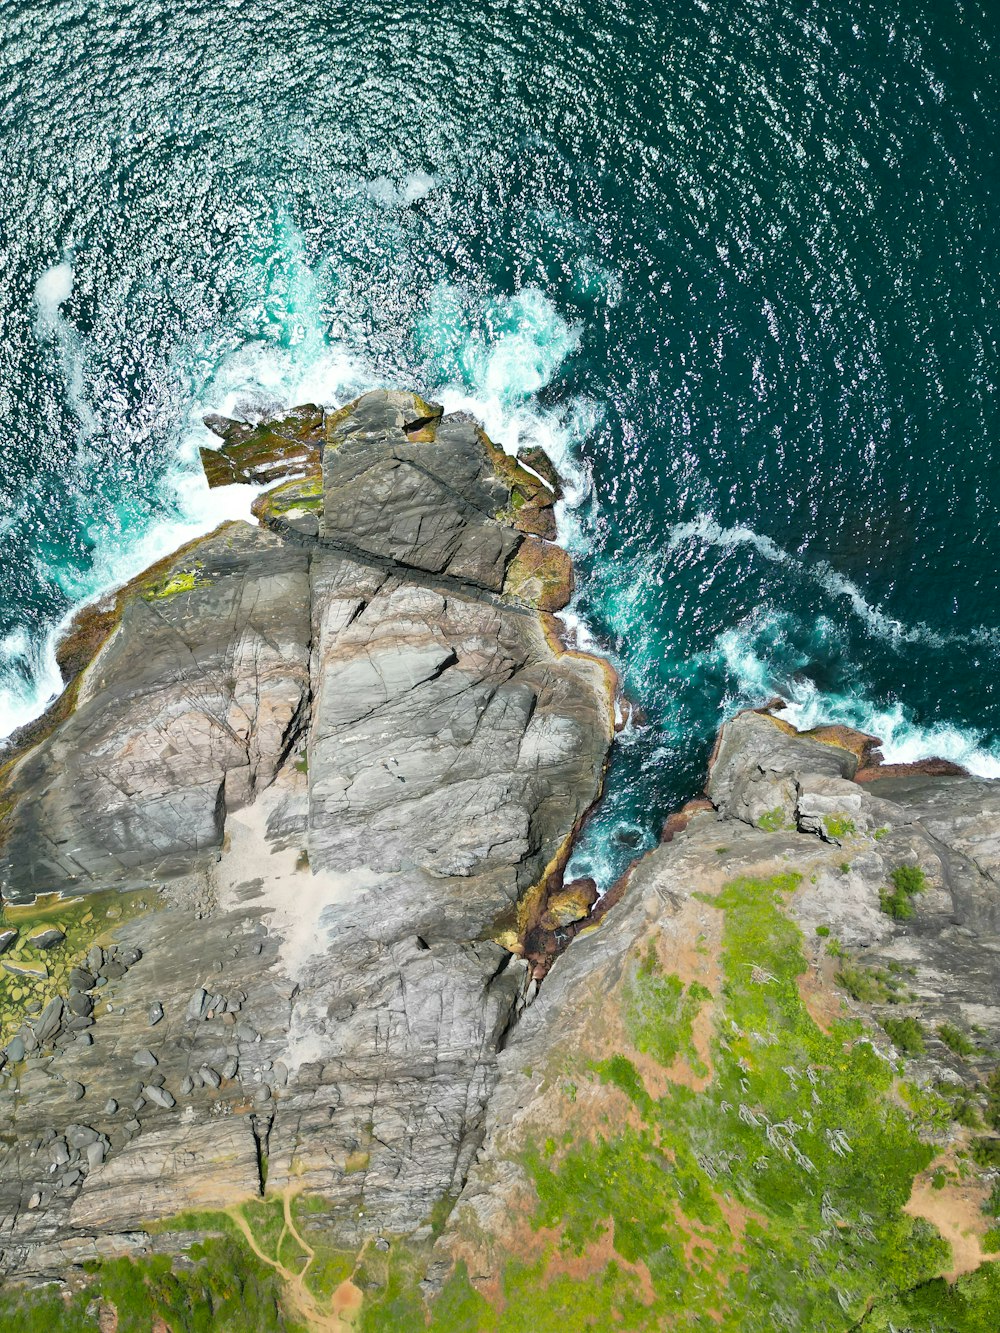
(660, 1013)
(839, 826)
(772, 820)
(872, 985)
(222, 1286)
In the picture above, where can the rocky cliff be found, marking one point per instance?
(279, 1045)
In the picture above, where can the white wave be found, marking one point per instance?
(705, 528)
(30, 681)
(903, 740)
(53, 289)
(393, 194)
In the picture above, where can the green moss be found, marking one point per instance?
(839, 826)
(772, 820)
(184, 580)
(881, 833)
(822, 931)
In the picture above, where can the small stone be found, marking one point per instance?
(15, 1050)
(70, 1179)
(132, 1126)
(95, 959)
(263, 1094)
(209, 1076)
(159, 1097)
(60, 1153)
(84, 1039)
(33, 1007)
(110, 1106)
(187, 1085)
(197, 1005)
(35, 1200)
(48, 1024)
(114, 971)
(46, 939)
(81, 1004)
(130, 956)
(229, 1020)
(382, 1244)
(145, 1059)
(81, 1135)
(229, 1069)
(75, 1090)
(155, 1013)
(78, 1022)
(81, 979)
(95, 1155)
(138, 1104)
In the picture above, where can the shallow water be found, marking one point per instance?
(735, 267)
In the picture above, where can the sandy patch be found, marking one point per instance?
(957, 1212)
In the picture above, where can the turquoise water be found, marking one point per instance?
(734, 264)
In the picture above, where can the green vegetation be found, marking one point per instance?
(822, 931)
(222, 1286)
(969, 1305)
(839, 826)
(992, 1112)
(659, 1013)
(181, 580)
(872, 985)
(797, 1134)
(881, 833)
(906, 1034)
(985, 1152)
(772, 820)
(955, 1039)
(907, 882)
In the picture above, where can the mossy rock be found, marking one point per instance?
(303, 494)
(540, 574)
(264, 453)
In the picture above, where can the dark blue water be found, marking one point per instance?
(735, 265)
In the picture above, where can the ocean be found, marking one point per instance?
(733, 264)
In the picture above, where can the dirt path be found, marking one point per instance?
(346, 1300)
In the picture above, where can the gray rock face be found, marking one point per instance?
(345, 761)
(184, 715)
(428, 503)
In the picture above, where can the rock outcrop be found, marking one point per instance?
(342, 763)
(307, 802)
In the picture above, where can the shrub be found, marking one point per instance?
(955, 1039)
(909, 879)
(907, 882)
(906, 1034)
(985, 1152)
(823, 931)
(993, 1100)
